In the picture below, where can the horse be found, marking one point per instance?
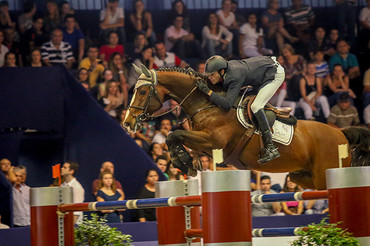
(312, 150)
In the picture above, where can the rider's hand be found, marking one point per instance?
(202, 86)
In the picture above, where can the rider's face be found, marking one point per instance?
(214, 77)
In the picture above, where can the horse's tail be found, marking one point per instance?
(359, 142)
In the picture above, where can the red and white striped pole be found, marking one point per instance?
(349, 200)
(45, 224)
(172, 222)
(226, 205)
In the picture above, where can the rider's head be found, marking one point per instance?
(215, 68)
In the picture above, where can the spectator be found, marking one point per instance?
(179, 8)
(174, 173)
(83, 75)
(322, 67)
(106, 51)
(74, 36)
(7, 169)
(265, 209)
(3, 48)
(93, 65)
(239, 18)
(273, 24)
(68, 172)
(165, 130)
(142, 21)
(5, 20)
(14, 45)
(162, 164)
(346, 15)
(311, 92)
(146, 58)
(163, 58)
(112, 18)
(57, 52)
(107, 76)
(36, 59)
(331, 42)
(216, 38)
(200, 67)
(364, 34)
(251, 42)
(64, 10)
(25, 19)
(294, 207)
(347, 60)
(106, 166)
(255, 180)
(52, 17)
(113, 99)
(21, 198)
(10, 60)
(3, 226)
(367, 115)
(140, 41)
(34, 37)
(318, 43)
(300, 18)
(109, 192)
(337, 82)
(117, 65)
(277, 180)
(366, 95)
(148, 191)
(182, 42)
(343, 114)
(316, 206)
(155, 150)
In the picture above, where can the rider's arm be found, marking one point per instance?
(231, 95)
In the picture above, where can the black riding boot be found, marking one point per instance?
(271, 151)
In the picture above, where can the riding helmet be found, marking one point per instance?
(215, 63)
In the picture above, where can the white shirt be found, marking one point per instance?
(159, 138)
(223, 32)
(3, 52)
(172, 32)
(21, 205)
(78, 195)
(228, 21)
(365, 15)
(112, 19)
(250, 35)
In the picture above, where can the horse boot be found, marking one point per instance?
(271, 151)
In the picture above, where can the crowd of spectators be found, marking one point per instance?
(323, 74)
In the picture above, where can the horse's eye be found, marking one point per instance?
(142, 92)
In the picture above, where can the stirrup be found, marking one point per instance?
(270, 154)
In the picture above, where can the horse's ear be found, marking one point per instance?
(137, 69)
(145, 71)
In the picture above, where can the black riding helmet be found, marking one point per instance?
(215, 63)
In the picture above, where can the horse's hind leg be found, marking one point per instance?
(302, 178)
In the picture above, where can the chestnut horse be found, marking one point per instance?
(313, 149)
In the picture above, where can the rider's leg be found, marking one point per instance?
(262, 98)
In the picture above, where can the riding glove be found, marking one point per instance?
(202, 86)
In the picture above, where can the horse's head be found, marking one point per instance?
(146, 100)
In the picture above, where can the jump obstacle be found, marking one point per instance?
(226, 204)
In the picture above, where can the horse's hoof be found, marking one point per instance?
(192, 172)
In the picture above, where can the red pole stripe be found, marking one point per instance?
(312, 195)
(189, 201)
(74, 207)
(194, 233)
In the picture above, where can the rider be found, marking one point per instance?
(263, 73)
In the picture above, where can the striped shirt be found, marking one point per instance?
(299, 16)
(56, 56)
(322, 69)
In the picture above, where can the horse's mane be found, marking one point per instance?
(195, 74)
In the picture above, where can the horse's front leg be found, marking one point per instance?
(196, 140)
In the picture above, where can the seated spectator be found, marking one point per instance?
(227, 18)
(64, 10)
(337, 82)
(148, 191)
(34, 37)
(348, 60)
(7, 169)
(14, 46)
(318, 43)
(83, 75)
(10, 60)
(366, 90)
(155, 150)
(3, 226)
(113, 99)
(322, 67)
(25, 19)
(21, 198)
(178, 7)
(162, 164)
(106, 166)
(364, 34)
(163, 58)
(165, 130)
(109, 192)
(112, 18)
(277, 180)
(140, 42)
(216, 38)
(74, 36)
(182, 42)
(52, 17)
(311, 92)
(251, 42)
(117, 65)
(173, 173)
(141, 20)
(300, 19)
(200, 67)
(331, 43)
(5, 20)
(273, 24)
(93, 65)
(265, 209)
(255, 180)
(36, 60)
(107, 50)
(343, 114)
(107, 76)
(345, 13)
(146, 58)
(57, 52)
(293, 207)
(3, 48)
(69, 170)
(239, 18)
(315, 206)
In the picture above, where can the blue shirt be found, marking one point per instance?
(347, 63)
(73, 38)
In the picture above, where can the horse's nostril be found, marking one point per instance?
(126, 124)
